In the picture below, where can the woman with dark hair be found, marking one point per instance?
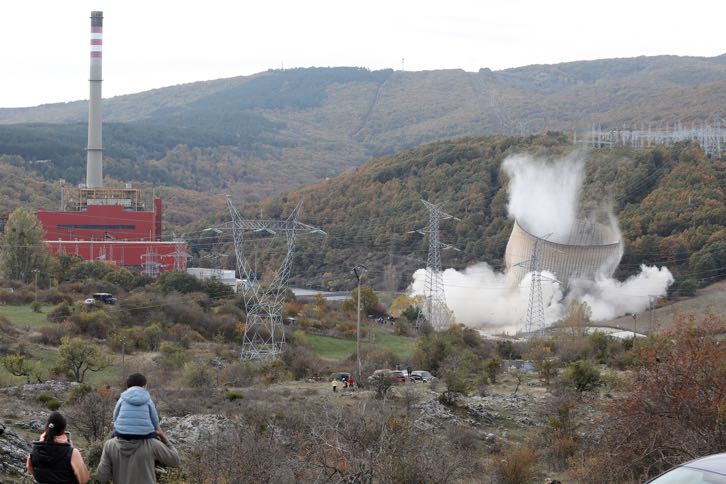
(53, 459)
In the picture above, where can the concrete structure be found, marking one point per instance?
(591, 249)
(94, 155)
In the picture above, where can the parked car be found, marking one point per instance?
(399, 376)
(422, 375)
(89, 301)
(711, 469)
(104, 297)
(379, 374)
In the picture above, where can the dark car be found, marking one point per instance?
(710, 469)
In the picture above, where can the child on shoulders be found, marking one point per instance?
(135, 415)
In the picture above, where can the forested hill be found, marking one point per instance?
(278, 130)
(671, 203)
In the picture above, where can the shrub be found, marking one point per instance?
(50, 401)
(59, 312)
(197, 375)
(232, 395)
(582, 375)
(515, 465)
(53, 333)
(172, 356)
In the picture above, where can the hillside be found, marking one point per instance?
(671, 204)
(239, 135)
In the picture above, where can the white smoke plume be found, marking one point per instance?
(609, 298)
(482, 298)
(544, 196)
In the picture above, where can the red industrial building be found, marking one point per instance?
(111, 224)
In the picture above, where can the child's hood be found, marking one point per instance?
(136, 396)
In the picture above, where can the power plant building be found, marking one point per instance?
(590, 250)
(108, 224)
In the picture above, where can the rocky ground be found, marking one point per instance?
(497, 418)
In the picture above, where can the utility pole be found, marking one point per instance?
(358, 270)
(35, 272)
(651, 303)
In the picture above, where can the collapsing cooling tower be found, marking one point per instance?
(589, 250)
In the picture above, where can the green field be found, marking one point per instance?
(24, 316)
(332, 348)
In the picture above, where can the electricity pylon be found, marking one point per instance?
(263, 333)
(535, 308)
(435, 310)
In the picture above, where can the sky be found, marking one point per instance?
(157, 43)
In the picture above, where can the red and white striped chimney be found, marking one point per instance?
(94, 151)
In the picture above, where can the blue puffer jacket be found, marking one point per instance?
(135, 413)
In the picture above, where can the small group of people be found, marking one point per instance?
(128, 457)
(346, 382)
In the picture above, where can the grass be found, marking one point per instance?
(331, 348)
(24, 316)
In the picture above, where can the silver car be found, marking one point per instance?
(422, 375)
(710, 469)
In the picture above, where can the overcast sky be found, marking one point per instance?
(148, 44)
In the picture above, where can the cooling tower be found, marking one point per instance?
(94, 152)
(591, 249)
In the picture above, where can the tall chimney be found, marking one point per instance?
(94, 157)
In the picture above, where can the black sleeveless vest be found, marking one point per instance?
(52, 463)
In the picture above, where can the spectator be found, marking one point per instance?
(131, 461)
(335, 384)
(53, 458)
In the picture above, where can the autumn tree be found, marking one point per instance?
(19, 365)
(23, 251)
(673, 409)
(78, 357)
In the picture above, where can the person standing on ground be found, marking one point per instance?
(53, 458)
(335, 384)
(131, 461)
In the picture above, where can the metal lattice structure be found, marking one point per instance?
(263, 334)
(535, 308)
(710, 135)
(435, 310)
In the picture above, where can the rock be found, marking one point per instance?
(13, 452)
(185, 432)
(32, 390)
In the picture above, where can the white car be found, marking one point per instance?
(89, 301)
(422, 375)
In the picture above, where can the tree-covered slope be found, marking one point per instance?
(671, 204)
(279, 130)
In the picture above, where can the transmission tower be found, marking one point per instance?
(263, 333)
(151, 267)
(180, 254)
(435, 309)
(535, 308)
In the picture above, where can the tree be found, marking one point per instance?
(673, 405)
(18, 365)
(22, 247)
(78, 356)
(178, 281)
(577, 316)
(368, 298)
